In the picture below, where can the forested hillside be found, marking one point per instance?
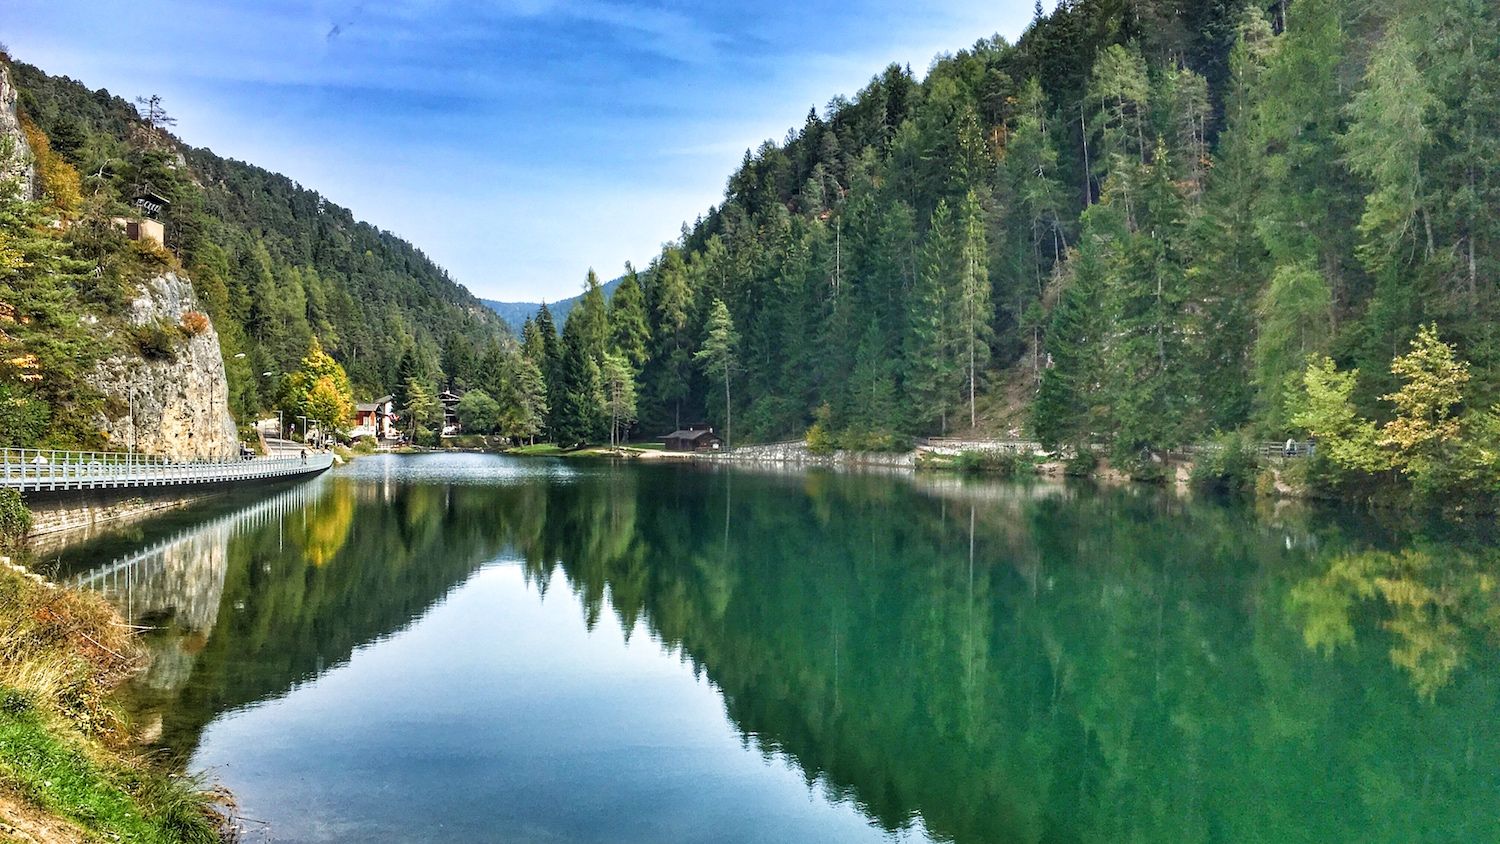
(1147, 223)
(274, 263)
(1135, 227)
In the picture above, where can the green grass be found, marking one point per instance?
(58, 774)
(538, 449)
(62, 655)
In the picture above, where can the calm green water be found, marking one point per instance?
(468, 648)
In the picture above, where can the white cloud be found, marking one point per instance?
(516, 142)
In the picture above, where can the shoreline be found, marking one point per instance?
(70, 768)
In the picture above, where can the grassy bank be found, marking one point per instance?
(1006, 464)
(67, 771)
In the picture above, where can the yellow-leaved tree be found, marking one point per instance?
(320, 390)
(1431, 441)
(1424, 437)
(1325, 408)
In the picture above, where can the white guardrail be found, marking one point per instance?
(30, 469)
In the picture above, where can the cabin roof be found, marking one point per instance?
(372, 406)
(689, 435)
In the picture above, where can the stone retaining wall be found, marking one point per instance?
(797, 453)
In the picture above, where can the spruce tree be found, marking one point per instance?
(578, 400)
(408, 372)
(934, 374)
(719, 356)
(1150, 386)
(1067, 399)
(551, 360)
(629, 333)
(592, 316)
(671, 302)
(1230, 268)
(974, 308)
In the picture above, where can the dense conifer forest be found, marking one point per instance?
(1145, 224)
(1137, 227)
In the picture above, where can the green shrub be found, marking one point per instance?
(1232, 467)
(998, 462)
(16, 702)
(156, 341)
(24, 418)
(820, 438)
(1144, 467)
(1083, 464)
(881, 441)
(15, 519)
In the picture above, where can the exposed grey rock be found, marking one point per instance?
(176, 408)
(19, 164)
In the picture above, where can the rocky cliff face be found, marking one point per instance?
(174, 403)
(17, 161)
(177, 404)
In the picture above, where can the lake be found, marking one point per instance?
(460, 648)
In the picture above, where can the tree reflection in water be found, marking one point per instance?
(1006, 662)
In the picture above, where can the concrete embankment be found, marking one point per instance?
(79, 511)
(75, 510)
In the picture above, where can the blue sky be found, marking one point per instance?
(518, 142)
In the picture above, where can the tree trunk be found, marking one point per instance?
(1469, 227)
(728, 420)
(1473, 271)
(1088, 187)
(973, 414)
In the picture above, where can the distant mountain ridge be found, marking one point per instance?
(515, 314)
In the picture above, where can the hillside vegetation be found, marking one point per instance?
(274, 264)
(1142, 224)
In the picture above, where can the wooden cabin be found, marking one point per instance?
(375, 419)
(699, 438)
